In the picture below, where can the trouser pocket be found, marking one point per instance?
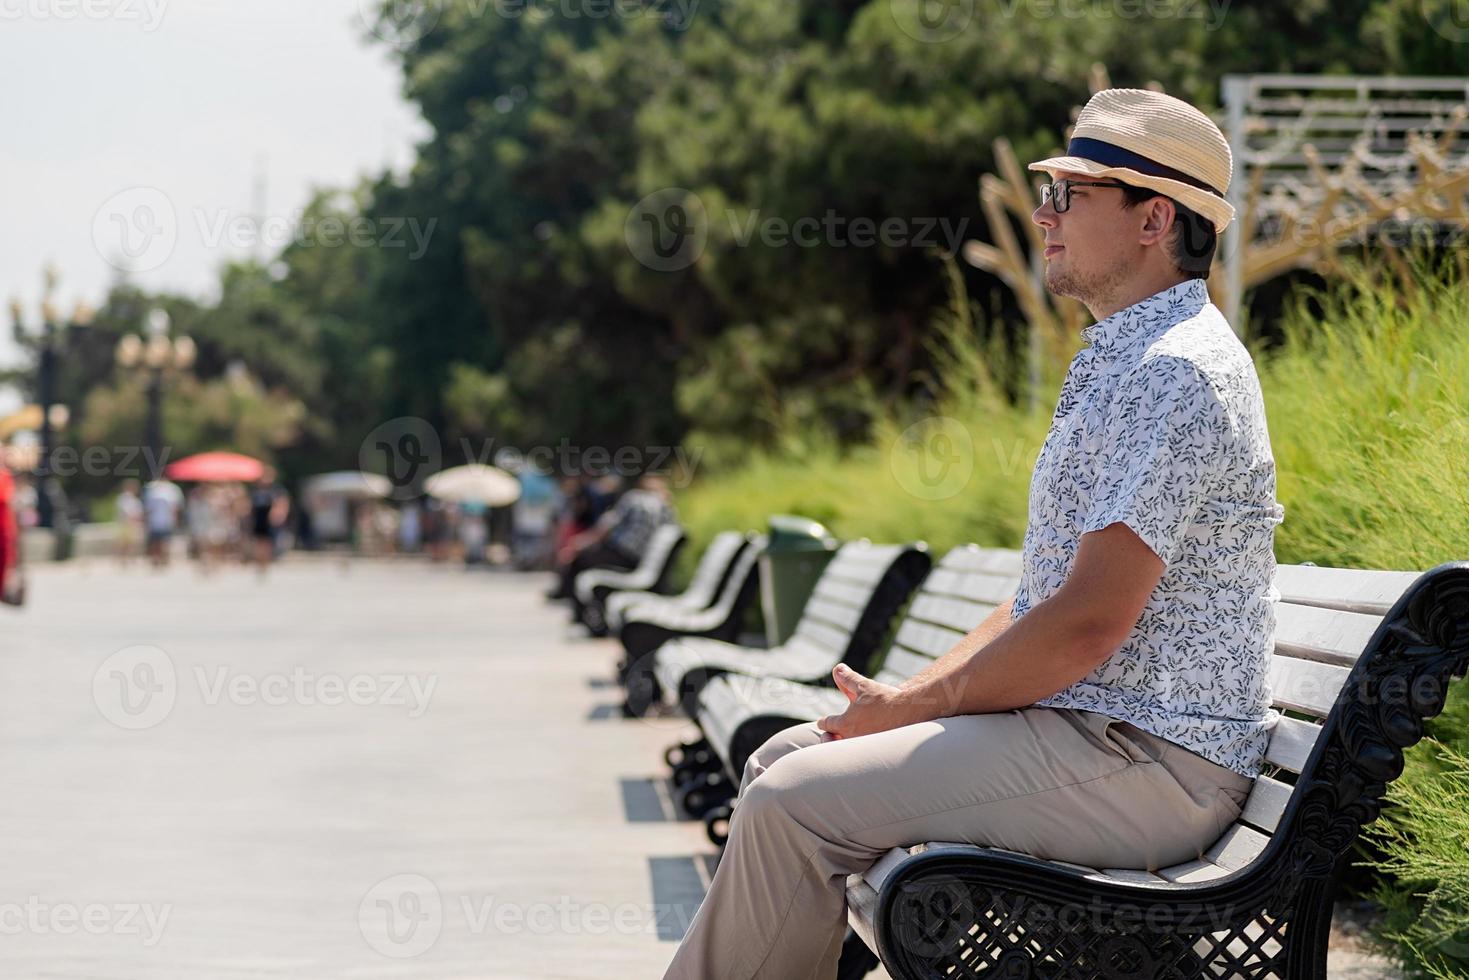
(1129, 741)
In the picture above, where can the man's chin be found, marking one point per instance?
(1060, 283)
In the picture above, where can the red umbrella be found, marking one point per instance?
(215, 468)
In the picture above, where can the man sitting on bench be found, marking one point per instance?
(1114, 711)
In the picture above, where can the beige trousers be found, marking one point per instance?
(1056, 783)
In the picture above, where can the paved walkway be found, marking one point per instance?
(387, 771)
(376, 771)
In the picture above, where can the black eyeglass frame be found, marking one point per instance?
(1058, 192)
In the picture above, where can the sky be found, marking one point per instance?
(136, 133)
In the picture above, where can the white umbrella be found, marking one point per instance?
(475, 483)
(353, 484)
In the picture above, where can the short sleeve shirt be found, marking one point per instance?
(1160, 426)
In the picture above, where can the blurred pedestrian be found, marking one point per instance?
(620, 537)
(583, 504)
(532, 519)
(210, 513)
(269, 507)
(128, 513)
(12, 586)
(410, 528)
(438, 529)
(162, 502)
(473, 532)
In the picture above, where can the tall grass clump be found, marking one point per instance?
(1424, 842)
(1368, 405)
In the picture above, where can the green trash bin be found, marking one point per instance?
(795, 556)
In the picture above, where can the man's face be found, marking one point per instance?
(1092, 246)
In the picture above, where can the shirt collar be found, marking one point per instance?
(1146, 317)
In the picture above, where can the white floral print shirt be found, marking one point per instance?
(1161, 426)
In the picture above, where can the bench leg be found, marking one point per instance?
(678, 755)
(857, 960)
(704, 793)
(642, 688)
(695, 766)
(716, 824)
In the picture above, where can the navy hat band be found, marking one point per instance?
(1112, 155)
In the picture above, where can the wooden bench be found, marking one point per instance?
(845, 618)
(703, 589)
(593, 586)
(649, 624)
(738, 712)
(1361, 658)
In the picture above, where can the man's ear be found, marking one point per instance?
(1157, 221)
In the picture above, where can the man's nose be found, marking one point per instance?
(1045, 215)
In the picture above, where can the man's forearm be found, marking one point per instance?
(994, 624)
(1047, 650)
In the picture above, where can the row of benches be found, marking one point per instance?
(1361, 659)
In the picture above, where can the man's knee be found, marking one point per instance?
(777, 795)
(776, 747)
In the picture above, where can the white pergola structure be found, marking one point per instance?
(1323, 161)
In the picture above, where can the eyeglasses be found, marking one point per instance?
(1058, 192)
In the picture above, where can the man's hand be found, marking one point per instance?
(873, 707)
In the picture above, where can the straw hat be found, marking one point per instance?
(1155, 141)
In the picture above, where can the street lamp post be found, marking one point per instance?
(46, 488)
(50, 498)
(157, 353)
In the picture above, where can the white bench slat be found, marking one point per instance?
(1305, 685)
(861, 565)
(840, 615)
(958, 614)
(1266, 803)
(857, 577)
(1238, 847)
(904, 663)
(862, 909)
(972, 558)
(1329, 635)
(1128, 875)
(1291, 743)
(1191, 872)
(722, 551)
(830, 588)
(819, 634)
(980, 586)
(926, 639)
(1357, 590)
(884, 866)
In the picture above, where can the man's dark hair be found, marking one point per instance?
(1192, 241)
